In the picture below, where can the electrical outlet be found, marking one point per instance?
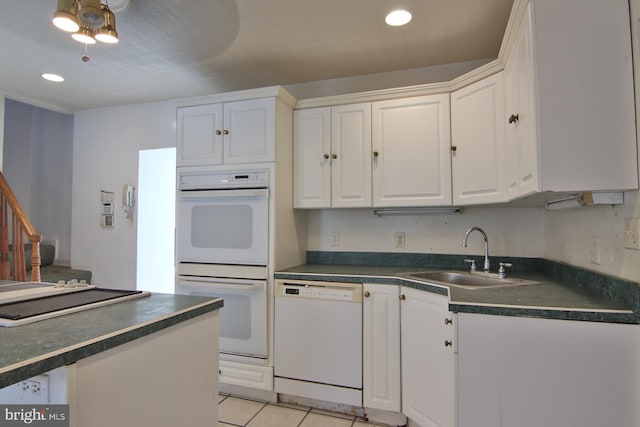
(335, 238)
(34, 391)
(595, 250)
(631, 238)
(399, 239)
(35, 388)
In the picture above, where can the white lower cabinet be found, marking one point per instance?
(381, 347)
(526, 372)
(427, 358)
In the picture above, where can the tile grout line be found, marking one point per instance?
(264, 405)
(308, 411)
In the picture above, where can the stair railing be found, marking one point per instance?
(21, 227)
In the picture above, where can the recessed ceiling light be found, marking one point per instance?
(398, 17)
(52, 77)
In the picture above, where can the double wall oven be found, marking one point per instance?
(222, 247)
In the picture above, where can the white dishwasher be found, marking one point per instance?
(318, 340)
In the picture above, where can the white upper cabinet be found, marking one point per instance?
(312, 158)
(478, 148)
(249, 131)
(332, 156)
(227, 133)
(351, 156)
(199, 138)
(411, 145)
(387, 153)
(520, 119)
(569, 113)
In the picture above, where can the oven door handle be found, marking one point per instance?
(218, 285)
(224, 194)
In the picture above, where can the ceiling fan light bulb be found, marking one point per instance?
(108, 33)
(66, 24)
(65, 16)
(107, 36)
(84, 35)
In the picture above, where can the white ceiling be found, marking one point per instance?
(175, 48)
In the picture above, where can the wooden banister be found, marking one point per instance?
(21, 227)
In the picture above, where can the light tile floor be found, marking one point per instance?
(234, 411)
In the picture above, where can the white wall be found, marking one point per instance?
(569, 237)
(511, 231)
(106, 145)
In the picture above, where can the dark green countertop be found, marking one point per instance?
(552, 297)
(36, 348)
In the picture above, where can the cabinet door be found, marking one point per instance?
(411, 146)
(428, 360)
(529, 372)
(249, 128)
(199, 135)
(381, 347)
(520, 117)
(477, 132)
(312, 161)
(351, 155)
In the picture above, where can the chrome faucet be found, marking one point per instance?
(486, 245)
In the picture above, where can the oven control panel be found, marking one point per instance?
(224, 179)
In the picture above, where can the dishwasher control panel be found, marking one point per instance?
(347, 292)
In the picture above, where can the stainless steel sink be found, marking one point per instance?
(467, 280)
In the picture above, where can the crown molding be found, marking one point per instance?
(375, 95)
(239, 95)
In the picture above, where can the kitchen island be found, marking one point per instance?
(148, 361)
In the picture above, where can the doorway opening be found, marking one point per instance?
(156, 220)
